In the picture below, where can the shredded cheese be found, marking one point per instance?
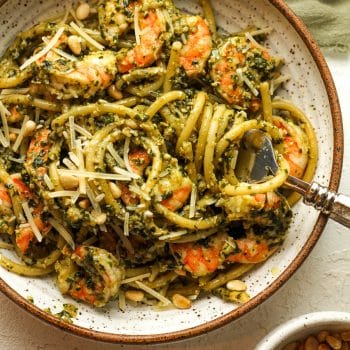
(71, 131)
(266, 30)
(100, 197)
(69, 164)
(44, 51)
(136, 25)
(75, 197)
(48, 182)
(59, 194)
(126, 157)
(81, 167)
(19, 138)
(4, 112)
(126, 224)
(72, 13)
(93, 200)
(169, 21)
(94, 175)
(63, 232)
(115, 155)
(15, 130)
(172, 235)
(275, 83)
(86, 36)
(61, 52)
(139, 192)
(37, 115)
(136, 278)
(121, 171)
(31, 221)
(193, 199)
(74, 158)
(254, 42)
(121, 301)
(20, 91)
(3, 140)
(82, 131)
(17, 160)
(247, 82)
(152, 292)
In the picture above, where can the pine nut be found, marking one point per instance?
(69, 182)
(83, 11)
(236, 285)
(239, 297)
(74, 44)
(181, 302)
(116, 192)
(311, 343)
(29, 128)
(291, 346)
(324, 347)
(13, 137)
(100, 218)
(345, 336)
(333, 342)
(321, 336)
(134, 295)
(84, 203)
(114, 92)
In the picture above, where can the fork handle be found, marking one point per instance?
(337, 206)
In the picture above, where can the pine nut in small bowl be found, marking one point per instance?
(326, 330)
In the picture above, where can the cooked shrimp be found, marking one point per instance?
(202, 259)
(295, 146)
(174, 189)
(25, 235)
(139, 160)
(196, 51)
(115, 18)
(90, 274)
(38, 154)
(237, 69)
(150, 41)
(93, 73)
(6, 213)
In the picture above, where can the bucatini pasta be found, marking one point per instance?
(121, 124)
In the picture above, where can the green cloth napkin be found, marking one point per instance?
(328, 20)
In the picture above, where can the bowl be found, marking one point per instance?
(311, 88)
(300, 327)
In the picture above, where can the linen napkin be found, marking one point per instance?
(328, 20)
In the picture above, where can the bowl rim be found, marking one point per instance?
(338, 151)
(311, 321)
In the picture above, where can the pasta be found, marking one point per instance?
(119, 140)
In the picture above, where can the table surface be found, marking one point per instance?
(322, 282)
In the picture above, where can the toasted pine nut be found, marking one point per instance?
(321, 336)
(84, 203)
(237, 285)
(116, 192)
(134, 295)
(74, 44)
(240, 297)
(291, 346)
(181, 302)
(114, 92)
(333, 342)
(69, 182)
(83, 11)
(29, 128)
(13, 137)
(345, 336)
(311, 343)
(99, 218)
(324, 346)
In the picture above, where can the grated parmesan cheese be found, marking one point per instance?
(86, 36)
(31, 221)
(115, 155)
(48, 182)
(19, 138)
(127, 244)
(266, 30)
(71, 131)
(121, 171)
(254, 42)
(61, 52)
(82, 131)
(44, 51)
(152, 292)
(63, 232)
(193, 199)
(141, 193)
(126, 224)
(136, 278)
(4, 112)
(126, 157)
(136, 25)
(20, 91)
(81, 167)
(247, 82)
(59, 194)
(3, 140)
(172, 235)
(94, 175)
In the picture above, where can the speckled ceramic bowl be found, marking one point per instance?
(311, 88)
(300, 327)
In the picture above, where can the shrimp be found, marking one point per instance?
(139, 160)
(115, 18)
(85, 78)
(6, 213)
(149, 41)
(38, 155)
(295, 146)
(202, 259)
(237, 68)
(25, 235)
(196, 51)
(90, 274)
(174, 189)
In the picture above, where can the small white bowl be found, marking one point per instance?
(300, 327)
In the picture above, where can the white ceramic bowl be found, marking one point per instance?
(300, 327)
(311, 88)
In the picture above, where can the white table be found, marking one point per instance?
(322, 283)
